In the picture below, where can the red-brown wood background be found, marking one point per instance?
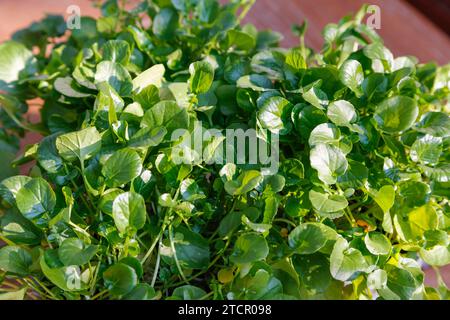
(406, 31)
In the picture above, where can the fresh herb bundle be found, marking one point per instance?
(359, 200)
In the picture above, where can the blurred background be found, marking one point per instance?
(409, 27)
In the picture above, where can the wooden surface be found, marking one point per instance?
(405, 30)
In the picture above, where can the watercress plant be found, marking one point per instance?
(358, 205)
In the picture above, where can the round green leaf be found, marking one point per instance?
(249, 247)
(426, 150)
(326, 203)
(128, 210)
(16, 260)
(329, 161)
(74, 251)
(16, 62)
(79, 145)
(122, 167)
(435, 123)
(202, 76)
(345, 261)
(244, 183)
(396, 114)
(341, 113)
(377, 243)
(273, 115)
(325, 133)
(352, 75)
(120, 279)
(116, 75)
(35, 199)
(308, 238)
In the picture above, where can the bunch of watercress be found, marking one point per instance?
(358, 205)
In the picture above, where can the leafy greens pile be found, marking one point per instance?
(359, 202)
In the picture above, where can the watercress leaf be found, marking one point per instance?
(244, 183)
(249, 247)
(188, 292)
(67, 278)
(80, 145)
(17, 62)
(377, 243)
(437, 256)
(117, 51)
(15, 259)
(435, 123)
(129, 211)
(165, 23)
(10, 186)
(74, 251)
(167, 114)
(325, 133)
(426, 150)
(396, 114)
(68, 87)
(153, 76)
(120, 279)
(352, 75)
(341, 113)
(122, 167)
(345, 261)
(329, 161)
(310, 237)
(202, 76)
(116, 75)
(35, 199)
(274, 115)
(142, 291)
(326, 203)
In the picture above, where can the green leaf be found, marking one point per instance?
(120, 279)
(80, 145)
(11, 186)
(249, 247)
(414, 193)
(74, 251)
(15, 260)
(122, 167)
(244, 183)
(426, 150)
(166, 114)
(325, 133)
(438, 256)
(68, 87)
(191, 249)
(342, 113)
(188, 292)
(274, 115)
(384, 197)
(377, 279)
(117, 51)
(352, 75)
(377, 243)
(345, 261)
(202, 76)
(35, 199)
(310, 237)
(396, 114)
(116, 75)
(239, 40)
(142, 291)
(165, 23)
(16, 62)
(66, 278)
(150, 77)
(326, 203)
(434, 123)
(329, 161)
(13, 295)
(129, 211)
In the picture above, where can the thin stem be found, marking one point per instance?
(158, 259)
(175, 256)
(150, 250)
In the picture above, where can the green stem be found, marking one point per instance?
(175, 256)
(158, 259)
